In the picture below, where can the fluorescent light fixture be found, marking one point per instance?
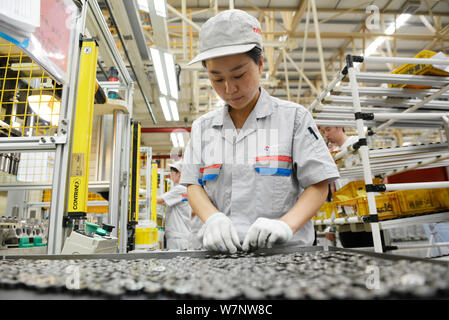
(159, 6)
(46, 107)
(164, 67)
(180, 139)
(174, 110)
(159, 70)
(165, 110)
(174, 139)
(171, 74)
(143, 5)
(400, 21)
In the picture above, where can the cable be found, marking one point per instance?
(108, 6)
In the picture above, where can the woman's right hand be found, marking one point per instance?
(219, 234)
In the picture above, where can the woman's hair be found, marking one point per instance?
(255, 54)
(174, 170)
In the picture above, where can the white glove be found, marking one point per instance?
(218, 234)
(266, 232)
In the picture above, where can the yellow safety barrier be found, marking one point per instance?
(82, 129)
(135, 173)
(154, 192)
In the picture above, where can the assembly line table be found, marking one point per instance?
(291, 273)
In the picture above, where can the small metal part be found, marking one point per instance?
(152, 288)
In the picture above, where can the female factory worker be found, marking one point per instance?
(256, 170)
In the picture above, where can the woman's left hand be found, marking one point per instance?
(265, 232)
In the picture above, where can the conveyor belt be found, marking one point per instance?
(289, 273)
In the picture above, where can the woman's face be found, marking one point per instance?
(235, 78)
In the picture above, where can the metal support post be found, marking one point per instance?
(398, 60)
(318, 40)
(60, 174)
(304, 47)
(340, 76)
(125, 169)
(364, 154)
(116, 179)
(287, 84)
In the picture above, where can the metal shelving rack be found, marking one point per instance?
(381, 109)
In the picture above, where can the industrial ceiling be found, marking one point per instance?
(305, 42)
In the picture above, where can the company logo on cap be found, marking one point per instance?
(257, 30)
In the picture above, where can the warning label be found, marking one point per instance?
(78, 165)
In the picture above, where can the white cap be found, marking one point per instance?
(229, 32)
(177, 165)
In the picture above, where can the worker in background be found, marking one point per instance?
(256, 170)
(338, 141)
(337, 138)
(195, 226)
(178, 211)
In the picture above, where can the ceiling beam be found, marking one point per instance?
(164, 129)
(351, 35)
(424, 12)
(298, 14)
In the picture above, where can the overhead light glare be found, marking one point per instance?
(165, 110)
(174, 110)
(171, 74)
(399, 22)
(159, 70)
(180, 139)
(174, 139)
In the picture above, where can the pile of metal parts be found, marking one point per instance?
(299, 275)
(13, 228)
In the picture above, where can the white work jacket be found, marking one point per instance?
(350, 160)
(261, 170)
(177, 214)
